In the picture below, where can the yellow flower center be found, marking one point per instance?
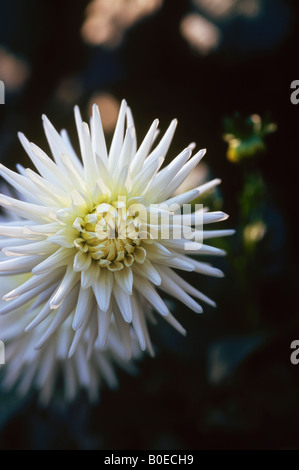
(111, 236)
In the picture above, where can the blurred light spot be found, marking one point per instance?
(109, 108)
(249, 8)
(13, 71)
(69, 90)
(107, 20)
(222, 9)
(201, 34)
(254, 232)
(216, 8)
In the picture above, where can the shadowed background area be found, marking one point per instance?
(224, 69)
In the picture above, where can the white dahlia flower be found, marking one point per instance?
(99, 235)
(49, 371)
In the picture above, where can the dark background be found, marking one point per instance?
(188, 397)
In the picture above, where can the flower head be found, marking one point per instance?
(99, 235)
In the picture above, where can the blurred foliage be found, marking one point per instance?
(245, 137)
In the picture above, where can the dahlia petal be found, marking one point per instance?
(101, 188)
(104, 174)
(211, 250)
(175, 324)
(61, 315)
(102, 289)
(23, 298)
(108, 372)
(45, 373)
(90, 168)
(83, 368)
(157, 251)
(21, 169)
(84, 304)
(64, 237)
(58, 177)
(140, 254)
(26, 209)
(69, 280)
(203, 268)
(37, 160)
(188, 288)
(123, 301)
(97, 135)
(211, 217)
(169, 231)
(40, 231)
(5, 242)
(46, 294)
(142, 152)
(124, 330)
(180, 177)
(79, 335)
(191, 247)
(70, 151)
(26, 382)
(207, 234)
(80, 202)
(49, 193)
(178, 162)
(61, 257)
(165, 176)
(75, 174)
(104, 319)
(193, 194)
(64, 341)
(117, 138)
(123, 181)
(37, 248)
(130, 123)
(148, 271)
(42, 315)
(126, 151)
(162, 148)
(146, 289)
(124, 279)
(55, 141)
(178, 263)
(20, 183)
(93, 333)
(90, 276)
(10, 231)
(199, 217)
(140, 327)
(70, 380)
(19, 265)
(141, 182)
(34, 281)
(183, 198)
(82, 261)
(172, 288)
